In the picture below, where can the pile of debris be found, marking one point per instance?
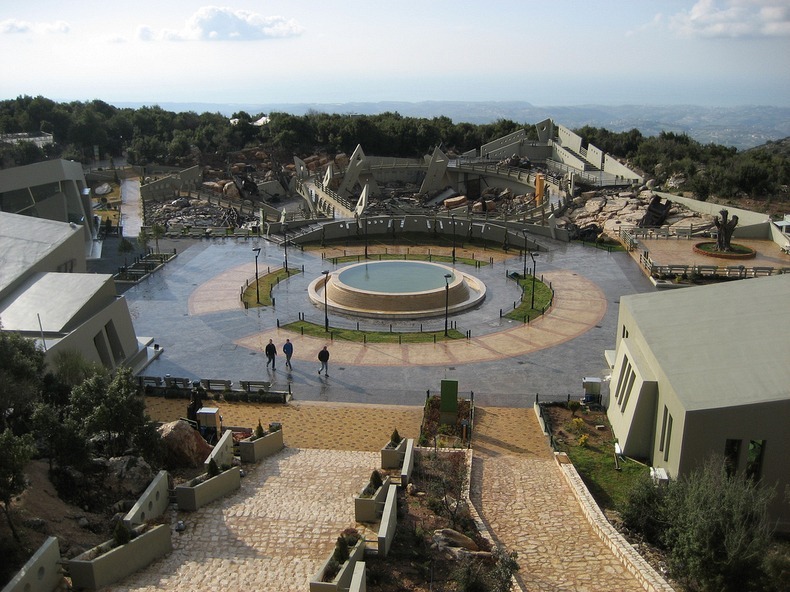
(195, 214)
(603, 212)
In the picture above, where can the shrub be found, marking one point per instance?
(577, 424)
(213, 469)
(341, 550)
(583, 440)
(573, 406)
(121, 534)
(259, 433)
(395, 437)
(375, 479)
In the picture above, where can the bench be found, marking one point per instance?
(683, 232)
(253, 386)
(184, 383)
(145, 381)
(217, 231)
(736, 271)
(215, 384)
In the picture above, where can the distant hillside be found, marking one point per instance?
(741, 127)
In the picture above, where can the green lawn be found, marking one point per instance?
(543, 297)
(608, 486)
(265, 283)
(313, 330)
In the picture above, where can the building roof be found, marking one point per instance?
(25, 240)
(57, 299)
(721, 345)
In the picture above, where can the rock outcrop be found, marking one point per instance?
(184, 446)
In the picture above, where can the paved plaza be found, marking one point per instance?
(192, 309)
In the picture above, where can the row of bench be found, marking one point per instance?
(209, 384)
(178, 231)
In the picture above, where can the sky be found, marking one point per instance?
(548, 53)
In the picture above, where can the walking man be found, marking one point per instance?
(271, 352)
(288, 350)
(323, 357)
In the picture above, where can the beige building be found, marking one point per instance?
(45, 295)
(706, 370)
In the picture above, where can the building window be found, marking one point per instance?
(625, 332)
(625, 372)
(668, 439)
(754, 459)
(628, 387)
(732, 449)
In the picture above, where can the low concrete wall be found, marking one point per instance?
(192, 497)
(389, 521)
(223, 451)
(41, 572)
(392, 458)
(117, 563)
(367, 509)
(358, 580)
(342, 580)
(252, 451)
(152, 503)
(408, 463)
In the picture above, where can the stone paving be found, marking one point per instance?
(262, 535)
(272, 534)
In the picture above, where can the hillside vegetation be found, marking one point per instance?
(154, 135)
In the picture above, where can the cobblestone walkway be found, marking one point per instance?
(272, 534)
(520, 493)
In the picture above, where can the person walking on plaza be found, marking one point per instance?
(271, 352)
(288, 350)
(323, 357)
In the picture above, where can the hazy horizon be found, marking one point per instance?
(711, 53)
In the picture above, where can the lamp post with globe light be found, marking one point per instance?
(447, 277)
(257, 251)
(326, 307)
(533, 255)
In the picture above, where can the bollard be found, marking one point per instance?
(302, 330)
(357, 325)
(500, 313)
(400, 341)
(364, 338)
(434, 337)
(272, 302)
(420, 327)
(390, 327)
(278, 323)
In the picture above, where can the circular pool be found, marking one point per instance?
(396, 289)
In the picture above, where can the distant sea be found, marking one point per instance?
(742, 127)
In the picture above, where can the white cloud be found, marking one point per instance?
(215, 23)
(733, 18)
(17, 26)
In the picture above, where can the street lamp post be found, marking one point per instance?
(285, 245)
(524, 232)
(257, 251)
(533, 255)
(447, 277)
(326, 307)
(365, 222)
(452, 216)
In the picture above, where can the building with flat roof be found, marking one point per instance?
(45, 295)
(53, 189)
(706, 371)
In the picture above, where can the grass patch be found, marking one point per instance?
(408, 257)
(610, 245)
(543, 297)
(265, 284)
(313, 330)
(608, 486)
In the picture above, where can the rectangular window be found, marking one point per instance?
(732, 449)
(668, 440)
(625, 332)
(628, 388)
(663, 429)
(621, 383)
(754, 459)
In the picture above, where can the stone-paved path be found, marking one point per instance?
(272, 534)
(520, 493)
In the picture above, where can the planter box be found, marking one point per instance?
(191, 497)
(342, 580)
(252, 451)
(117, 563)
(392, 458)
(368, 509)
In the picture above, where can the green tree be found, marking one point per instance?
(112, 410)
(15, 453)
(157, 232)
(21, 374)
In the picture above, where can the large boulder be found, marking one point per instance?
(184, 446)
(128, 475)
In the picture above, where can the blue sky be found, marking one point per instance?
(549, 52)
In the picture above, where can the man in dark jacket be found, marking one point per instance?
(323, 357)
(270, 351)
